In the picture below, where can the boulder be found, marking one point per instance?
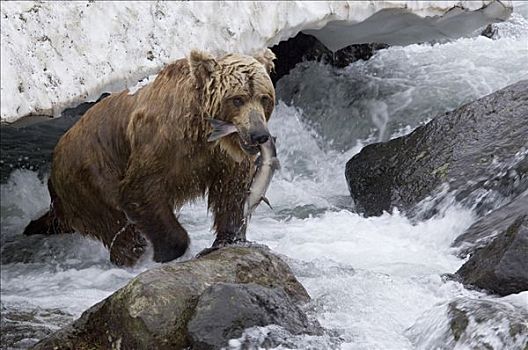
(501, 267)
(481, 145)
(304, 47)
(197, 304)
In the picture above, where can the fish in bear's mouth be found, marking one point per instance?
(248, 148)
(222, 128)
(266, 167)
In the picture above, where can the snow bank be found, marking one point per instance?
(55, 55)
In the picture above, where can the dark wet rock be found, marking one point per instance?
(305, 47)
(225, 310)
(153, 311)
(300, 48)
(30, 147)
(501, 267)
(30, 249)
(29, 142)
(470, 319)
(484, 230)
(490, 31)
(479, 146)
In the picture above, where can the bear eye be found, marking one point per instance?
(238, 101)
(265, 100)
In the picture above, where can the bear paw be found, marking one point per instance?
(128, 247)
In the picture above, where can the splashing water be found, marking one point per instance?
(410, 84)
(375, 282)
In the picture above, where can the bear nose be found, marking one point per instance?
(259, 138)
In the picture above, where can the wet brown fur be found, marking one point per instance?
(119, 172)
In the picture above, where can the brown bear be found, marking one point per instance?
(121, 170)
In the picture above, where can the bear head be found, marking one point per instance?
(237, 89)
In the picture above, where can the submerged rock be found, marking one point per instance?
(487, 228)
(470, 319)
(23, 328)
(490, 31)
(481, 145)
(467, 323)
(274, 336)
(501, 267)
(200, 303)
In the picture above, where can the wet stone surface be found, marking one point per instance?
(501, 267)
(481, 145)
(225, 310)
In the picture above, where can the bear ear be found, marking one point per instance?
(202, 66)
(266, 57)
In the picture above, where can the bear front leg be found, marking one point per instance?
(147, 207)
(227, 195)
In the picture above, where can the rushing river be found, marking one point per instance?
(376, 283)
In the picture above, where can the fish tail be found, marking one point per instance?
(220, 129)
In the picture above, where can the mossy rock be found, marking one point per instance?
(153, 310)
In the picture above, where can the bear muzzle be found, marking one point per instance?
(257, 133)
